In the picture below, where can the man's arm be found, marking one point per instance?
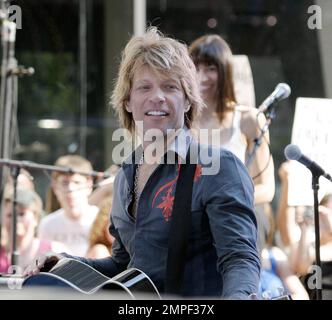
(114, 264)
(229, 199)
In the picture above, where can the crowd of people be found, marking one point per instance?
(234, 249)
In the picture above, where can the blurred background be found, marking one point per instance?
(75, 45)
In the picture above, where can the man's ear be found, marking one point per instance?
(187, 106)
(128, 107)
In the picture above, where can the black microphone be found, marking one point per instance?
(293, 152)
(282, 91)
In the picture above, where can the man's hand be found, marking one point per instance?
(42, 263)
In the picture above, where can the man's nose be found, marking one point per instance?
(71, 186)
(157, 96)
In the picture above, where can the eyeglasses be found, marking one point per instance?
(66, 183)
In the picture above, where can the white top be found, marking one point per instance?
(230, 138)
(236, 142)
(73, 233)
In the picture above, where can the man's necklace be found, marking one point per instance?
(137, 193)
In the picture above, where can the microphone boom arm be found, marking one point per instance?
(15, 167)
(33, 165)
(258, 140)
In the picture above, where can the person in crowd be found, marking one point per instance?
(28, 212)
(237, 126)
(289, 231)
(277, 276)
(24, 181)
(304, 251)
(72, 222)
(297, 233)
(230, 125)
(156, 94)
(100, 240)
(104, 189)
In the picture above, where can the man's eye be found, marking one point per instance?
(77, 182)
(143, 87)
(171, 86)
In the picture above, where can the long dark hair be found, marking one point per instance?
(213, 50)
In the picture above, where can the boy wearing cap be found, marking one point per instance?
(28, 211)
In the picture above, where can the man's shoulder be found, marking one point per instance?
(209, 153)
(219, 152)
(120, 176)
(216, 158)
(120, 180)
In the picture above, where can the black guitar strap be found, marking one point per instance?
(180, 228)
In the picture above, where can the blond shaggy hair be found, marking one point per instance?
(165, 56)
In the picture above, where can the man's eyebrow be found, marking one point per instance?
(142, 80)
(173, 80)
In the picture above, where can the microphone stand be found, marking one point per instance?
(5, 96)
(15, 255)
(16, 168)
(315, 188)
(10, 71)
(292, 152)
(270, 115)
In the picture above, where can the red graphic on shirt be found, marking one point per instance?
(167, 204)
(198, 172)
(167, 200)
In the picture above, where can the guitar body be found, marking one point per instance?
(78, 276)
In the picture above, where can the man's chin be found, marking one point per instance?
(151, 134)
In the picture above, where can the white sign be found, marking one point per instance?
(313, 135)
(243, 81)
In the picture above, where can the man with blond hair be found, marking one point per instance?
(157, 98)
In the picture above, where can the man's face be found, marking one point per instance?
(72, 191)
(157, 101)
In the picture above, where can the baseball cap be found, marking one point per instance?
(24, 197)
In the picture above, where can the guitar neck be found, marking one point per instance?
(79, 274)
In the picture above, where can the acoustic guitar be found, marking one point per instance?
(74, 274)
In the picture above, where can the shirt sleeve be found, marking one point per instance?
(119, 259)
(229, 204)
(109, 266)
